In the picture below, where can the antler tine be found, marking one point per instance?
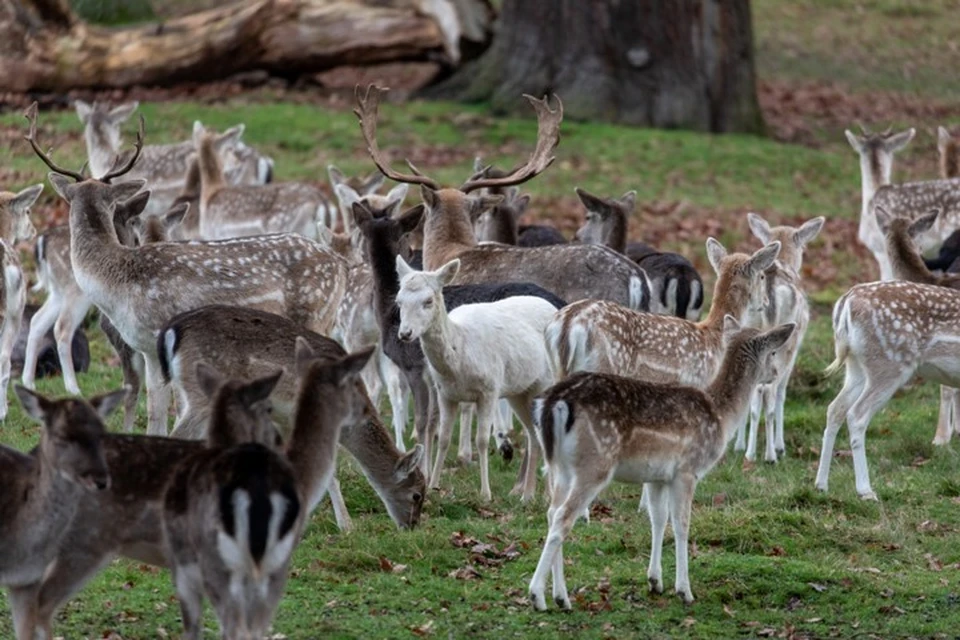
(863, 128)
(137, 148)
(31, 115)
(368, 105)
(548, 137)
(887, 131)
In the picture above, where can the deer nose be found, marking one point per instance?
(405, 335)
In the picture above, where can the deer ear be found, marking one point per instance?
(352, 364)
(448, 272)
(373, 182)
(590, 201)
(25, 199)
(84, 110)
(346, 195)
(943, 138)
(336, 176)
(481, 203)
(127, 191)
(884, 217)
(731, 327)
(855, 141)
(429, 197)
(121, 113)
(105, 403)
(261, 388)
(759, 227)
(361, 213)
(715, 253)
(776, 337)
(900, 140)
(924, 223)
(175, 215)
(809, 230)
(198, 131)
(520, 204)
(629, 201)
(403, 269)
(408, 462)
(37, 406)
(303, 355)
(411, 218)
(208, 379)
(132, 205)
(762, 259)
(478, 164)
(63, 185)
(398, 193)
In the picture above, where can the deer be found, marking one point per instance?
(599, 427)
(163, 166)
(15, 226)
(948, 155)
(232, 513)
(884, 334)
(67, 305)
(876, 151)
(228, 211)
(788, 304)
(249, 343)
(362, 187)
(676, 288)
(477, 353)
(900, 234)
(384, 242)
(572, 272)
(141, 288)
(604, 337)
(48, 362)
(40, 492)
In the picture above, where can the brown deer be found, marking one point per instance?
(15, 226)
(573, 272)
(39, 493)
(141, 288)
(599, 427)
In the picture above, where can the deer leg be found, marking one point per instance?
(41, 322)
(132, 364)
(681, 501)
(486, 407)
(11, 327)
(464, 446)
(560, 595)
(528, 470)
(79, 560)
(67, 324)
(189, 587)
(344, 523)
(158, 397)
(768, 397)
(502, 428)
(874, 397)
(448, 410)
(423, 401)
(393, 381)
(780, 399)
(23, 606)
(756, 405)
(945, 422)
(658, 510)
(836, 415)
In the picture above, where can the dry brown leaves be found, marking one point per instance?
(484, 554)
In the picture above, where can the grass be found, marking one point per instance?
(771, 557)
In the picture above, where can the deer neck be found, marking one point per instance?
(615, 231)
(313, 444)
(93, 238)
(732, 388)
(447, 231)
(211, 170)
(725, 300)
(875, 170)
(102, 150)
(442, 342)
(950, 161)
(193, 183)
(905, 260)
(503, 226)
(382, 255)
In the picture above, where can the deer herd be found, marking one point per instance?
(277, 335)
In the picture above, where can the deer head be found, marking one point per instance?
(101, 131)
(741, 279)
(15, 224)
(420, 298)
(793, 241)
(241, 409)
(605, 222)
(876, 150)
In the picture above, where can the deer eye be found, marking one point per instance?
(427, 304)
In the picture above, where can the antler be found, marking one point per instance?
(548, 136)
(31, 115)
(366, 111)
(137, 148)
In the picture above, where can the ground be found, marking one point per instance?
(771, 557)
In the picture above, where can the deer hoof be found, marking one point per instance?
(870, 495)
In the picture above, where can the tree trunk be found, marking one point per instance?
(44, 47)
(663, 63)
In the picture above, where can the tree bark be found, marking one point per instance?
(664, 63)
(44, 47)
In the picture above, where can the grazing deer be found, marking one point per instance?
(39, 493)
(147, 229)
(876, 152)
(601, 336)
(572, 272)
(248, 210)
(15, 226)
(232, 513)
(788, 304)
(141, 288)
(675, 286)
(249, 343)
(884, 333)
(901, 235)
(599, 427)
(165, 165)
(477, 353)
(362, 187)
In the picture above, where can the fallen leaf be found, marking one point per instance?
(424, 629)
(813, 620)
(688, 622)
(727, 610)
(385, 565)
(767, 632)
(819, 588)
(933, 563)
(465, 573)
(719, 499)
(777, 552)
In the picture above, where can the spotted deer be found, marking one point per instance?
(228, 211)
(163, 166)
(600, 427)
(573, 272)
(15, 226)
(901, 233)
(602, 336)
(40, 492)
(676, 288)
(141, 288)
(884, 334)
(787, 304)
(362, 187)
(248, 343)
(876, 152)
